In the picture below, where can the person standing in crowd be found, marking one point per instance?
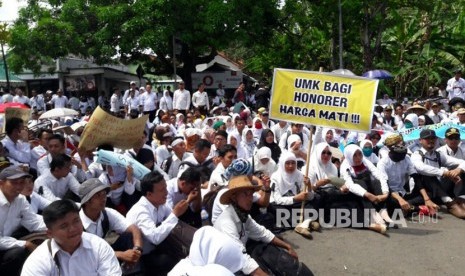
(200, 100)
(456, 86)
(59, 100)
(132, 103)
(148, 102)
(182, 99)
(15, 212)
(37, 101)
(70, 251)
(20, 98)
(132, 87)
(166, 102)
(239, 94)
(115, 102)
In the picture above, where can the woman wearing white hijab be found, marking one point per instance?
(166, 102)
(358, 172)
(288, 187)
(235, 140)
(211, 253)
(263, 162)
(367, 150)
(248, 142)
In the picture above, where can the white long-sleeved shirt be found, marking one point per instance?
(13, 215)
(37, 102)
(43, 166)
(456, 88)
(19, 151)
(154, 223)
(200, 99)
(460, 153)
(38, 202)
(36, 154)
(21, 99)
(52, 188)
(229, 223)
(347, 173)
(132, 103)
(182, 99)
(115, 103)
(94, 256)
(398, 173)
(59, 102)
(430, 165)
(127, 187)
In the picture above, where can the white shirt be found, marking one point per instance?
(460, 154)
(19, 151)
(94, 256)
(174, 195)
(73, 102)
(37, 102)
(126, 94)
(456, 88)
(116, 222)
(115, 103)
(166, 103)
(36, 153)
(59, 102)
(430, 166)
(398, 173)
(43, 166)
(148, 101)
(174, 167)
(346, 173)
(127, 187)
(54, 189)
(38, 202)
(182, 99)
(132, 103)
(161, 154)
(228, 222)
(12, 216)
(154, 223)
(21, 99)
(220, 92)
(200, 99)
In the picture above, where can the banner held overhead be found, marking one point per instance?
(323, 99)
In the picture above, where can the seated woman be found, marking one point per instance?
(367, 149)
(235, 140)
(294, 144)
(236, 222)
(248, 142)
(289, 188)
(263, 162)
(267, 140)
(363, 179)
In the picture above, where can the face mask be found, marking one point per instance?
(408, 124)
(367, 152)
(398, 154)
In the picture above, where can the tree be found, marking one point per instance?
(112, 31)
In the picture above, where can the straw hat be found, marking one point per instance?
(416, 107)
(238, 184)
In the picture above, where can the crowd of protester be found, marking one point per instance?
(213, 161)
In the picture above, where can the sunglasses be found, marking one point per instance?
(327, 153)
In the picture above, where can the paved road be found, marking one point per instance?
(422, 248)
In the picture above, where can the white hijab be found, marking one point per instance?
(270, 167)
(289, 179)
(321, 171)
(373, 158)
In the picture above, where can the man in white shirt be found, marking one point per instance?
(37, 101)
(20, 98)
(182, 188)
(456, 86)
(182, 99)
(70, 251)
(115, 103)
(58, 182)
(438, 177)
(148, 102)
(59, 100)
(435, 113)
(220, 91)
(99, 220)
(131, 103)
(14, 213)
(200, 100)
(179, 154)
(453, 146)
(156, 220)
(73, 102)
(132, 87)
(41, 149)
(17, 149)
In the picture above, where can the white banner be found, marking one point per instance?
(229, 79)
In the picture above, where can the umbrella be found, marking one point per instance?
(7, 105)
(343, 72)
(377, 74)
(59, 112)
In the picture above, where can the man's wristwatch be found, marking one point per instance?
(268, 191)
(138, 248)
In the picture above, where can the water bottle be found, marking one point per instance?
(204, 215)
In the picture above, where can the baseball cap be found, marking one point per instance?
(13, 172)
(427, 133)
(450, 132)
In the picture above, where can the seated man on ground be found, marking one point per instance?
(99, 220)
(70, 251)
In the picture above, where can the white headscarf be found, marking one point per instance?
(373, 158)
(325, 131)
(412, 117)
(349, 152)
(167, 98)
(288, 178)
(292, 139)
(270, 167)
(241, 152)
(210, 246)
(322, 171)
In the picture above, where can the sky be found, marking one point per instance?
(9, 9)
